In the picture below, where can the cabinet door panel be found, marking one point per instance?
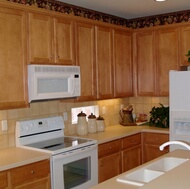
(109, 167)
(184, 44)
(167, 57)
(104, 63)
(40, 38)
(123, 78)
(131, 158)
(64, 41)
(146, 64)
(13, 88)
(85, 59)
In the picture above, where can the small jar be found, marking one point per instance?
(92, 127)
(100, 123)
(82, 125)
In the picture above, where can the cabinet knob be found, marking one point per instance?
(110, 147)
(32, 172)
(57, 56)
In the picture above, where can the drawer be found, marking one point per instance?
(3, 180)
(109, 148)
(155, 138)
(131, 141)
(30, 172)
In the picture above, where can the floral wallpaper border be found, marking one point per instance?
(156, 20)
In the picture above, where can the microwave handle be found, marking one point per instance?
(72, 85)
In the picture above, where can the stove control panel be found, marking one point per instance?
(36, 126)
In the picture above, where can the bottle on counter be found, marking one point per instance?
(100, 124)
(82, 124)
(92, 127)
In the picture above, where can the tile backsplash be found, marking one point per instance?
(52, 108)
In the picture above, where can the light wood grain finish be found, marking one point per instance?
(3, 180)
(131, 141)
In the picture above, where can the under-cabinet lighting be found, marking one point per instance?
(160, 0)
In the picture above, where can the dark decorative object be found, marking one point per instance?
(151, 21)
(188, 55)
(159, 117)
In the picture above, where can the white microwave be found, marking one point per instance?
(53, 82)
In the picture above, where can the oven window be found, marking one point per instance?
(77, 173)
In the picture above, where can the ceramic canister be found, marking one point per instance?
(92, 127)
(82, 124)
(100, 123)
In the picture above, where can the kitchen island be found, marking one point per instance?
(176, 178)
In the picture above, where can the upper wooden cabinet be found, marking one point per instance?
(51, 40)
(122, 60)
(13, 71)
(85, 58)
(184, 43)
(155, 58)
(146, 64)
(104, 64)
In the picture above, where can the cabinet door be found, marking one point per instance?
(40, 38)
(108, 167)
(86, 60)
(184, 44)
(131, 158)
(3, 180)
(64, 41)
(146, 64)
(123, 78)
(104, 62)
(167, 57)
(13, 88)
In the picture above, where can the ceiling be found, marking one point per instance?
(130, 9)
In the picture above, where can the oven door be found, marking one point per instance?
(76, 169)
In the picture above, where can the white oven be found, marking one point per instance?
(74, 161)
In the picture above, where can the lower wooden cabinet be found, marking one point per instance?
(3, 180)
(152, 142)
(131, 152)
(109, 160)
(35, 175)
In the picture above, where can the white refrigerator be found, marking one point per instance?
(179, 101)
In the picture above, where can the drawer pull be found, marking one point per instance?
(110, 147)
(32, 172)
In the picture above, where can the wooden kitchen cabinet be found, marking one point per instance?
(155, 58)
(184, 44)
(104, 63)
(51, 39)
(122, 61)
(109, 160)
(3, 180)
(167, 58)
(151, 144)
(131, 152)
(13, 70)
(146, 65)
(35, 175)
(85, 58)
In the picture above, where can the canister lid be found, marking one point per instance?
(82, 114)
(100, 118)
(91, 116)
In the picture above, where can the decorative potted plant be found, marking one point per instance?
(159, 117)
(188, 55)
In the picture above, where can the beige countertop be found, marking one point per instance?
(14, 157)
(119, 131)
(176, 178)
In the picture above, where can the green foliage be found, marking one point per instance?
(188, 55)
(159, 117)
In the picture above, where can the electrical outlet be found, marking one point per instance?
(65, 117)
(4, 125)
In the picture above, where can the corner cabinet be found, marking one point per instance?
(151, 144)
(154, 58)
(13, 70)
(122, 62)
(51, 39)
